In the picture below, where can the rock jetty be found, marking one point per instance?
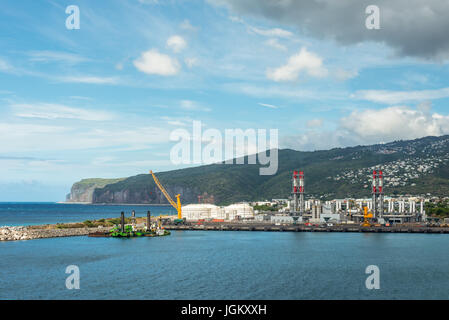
(24, 233)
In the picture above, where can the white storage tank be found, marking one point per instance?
(201, 211)
(242, 210)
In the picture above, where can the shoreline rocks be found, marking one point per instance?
(24, 233)
(14, 233)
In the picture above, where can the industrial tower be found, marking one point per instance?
(378, 194)
(298, 192)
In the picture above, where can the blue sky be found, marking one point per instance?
(102, 101)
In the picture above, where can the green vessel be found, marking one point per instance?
(116, 232)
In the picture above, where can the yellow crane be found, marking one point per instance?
(366, 216)
(177, 204)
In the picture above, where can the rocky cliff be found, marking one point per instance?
(83, 190)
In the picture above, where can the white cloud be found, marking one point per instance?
(80, 98)
(47, 56)
(314, 123)
(273, 42)
(5, 66)
(186, 25)
(304, 61)
(236, 19)
(149, 1)
(191, 62)
(343, 75)
(372, 126)
(24, 137)
(392, 123)
(153, 62)
(119, 66)
(176, 43)
(88, 79)
(285, 92)
(393, 97)
(268, 105)
(57, 111)
(275, 32)
(192, 105)
(178, 122)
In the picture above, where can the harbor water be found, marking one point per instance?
(218, 264)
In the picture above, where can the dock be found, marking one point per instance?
(303, 228)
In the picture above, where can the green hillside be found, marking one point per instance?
(410, 167)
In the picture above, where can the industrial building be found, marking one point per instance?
(384, 209)
(297, 209)
(209, 212)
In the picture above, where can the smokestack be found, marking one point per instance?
(380, 181)
(381, 193)
(374, 182)
(295, 191)
(301, 181)
(301, 192)
(122, 218)
(375, 190)
(148, 220)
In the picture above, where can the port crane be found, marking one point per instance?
(176, 205)
(366, 217)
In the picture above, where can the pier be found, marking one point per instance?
(303, 228)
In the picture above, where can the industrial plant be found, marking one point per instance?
(379, 210)
(383, 210)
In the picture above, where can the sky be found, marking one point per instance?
(104, 99)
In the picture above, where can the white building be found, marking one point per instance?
(330, 217)
(210, 211)
(241, 210)
(202, 211)
(283, 219)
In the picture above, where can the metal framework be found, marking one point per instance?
(177, 204)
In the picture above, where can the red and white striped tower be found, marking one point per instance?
(301, 193)
(295, 191)
(381, 193)
(375, 193)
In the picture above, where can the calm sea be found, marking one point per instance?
(14, 214)
(216, 265)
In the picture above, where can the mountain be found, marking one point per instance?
(83, 190)
(418, 166)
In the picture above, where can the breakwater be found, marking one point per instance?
(30, 233)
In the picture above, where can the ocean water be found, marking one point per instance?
(227, 265)
(28, 213)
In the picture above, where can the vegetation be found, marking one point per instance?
(439, 209)
(264, 207)
(115, 221)
(89, 224)
(97, 182)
